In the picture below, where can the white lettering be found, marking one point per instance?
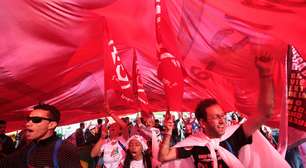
(298, 62)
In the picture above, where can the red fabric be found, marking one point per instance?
(52, 51)
(115, 75)
(272, 17)
(169, 68)
(170, 73)
(296, 96)
(138, 88)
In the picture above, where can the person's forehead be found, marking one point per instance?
(39, 113)
(134, 141)
(215, 110)
(149, 120)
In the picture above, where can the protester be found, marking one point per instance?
(137, 155)
(110, 151)
(91, 133)
(79, 135)
(178, 131)
(6, 143)
(158, 125)
(45, 148)
(188, 130)
(86, 160)
(217, 146)
(128, 129)
(152, 135)
(98, 128)
(148, 129)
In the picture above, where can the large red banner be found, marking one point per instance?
(51, 51)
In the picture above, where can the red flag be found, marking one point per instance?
(138, 88)
(170, 73)
(296, 67)
(212, 39)
(116, 77)
(169, 68)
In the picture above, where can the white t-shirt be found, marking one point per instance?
(113, 154)
(137, 164)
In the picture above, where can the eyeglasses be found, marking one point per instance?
(37, 119)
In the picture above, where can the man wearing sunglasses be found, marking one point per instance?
(45, 149)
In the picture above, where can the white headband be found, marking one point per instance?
(140, 139)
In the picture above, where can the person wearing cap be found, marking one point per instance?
(45, 148)
(137, 155)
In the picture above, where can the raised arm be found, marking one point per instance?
(165, 152)
(118, 120)
(96, 150)
(121, 123)
(264, 66)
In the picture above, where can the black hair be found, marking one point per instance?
(2, 122)
(126, 119)
(146, 159)
(54, 113)
(200, 111)
(99, 121)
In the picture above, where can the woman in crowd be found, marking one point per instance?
(137, 155)
(111, 150)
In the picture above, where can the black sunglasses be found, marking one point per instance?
(37, 119)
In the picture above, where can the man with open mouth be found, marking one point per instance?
(45, 149)
(219, 146)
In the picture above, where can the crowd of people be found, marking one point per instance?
(211, 139)
(124, 143)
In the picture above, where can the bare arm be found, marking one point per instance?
(118, 120)
(96, 150)
(122, 124)
(266, 95)
(142, 129)
(165, 152)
